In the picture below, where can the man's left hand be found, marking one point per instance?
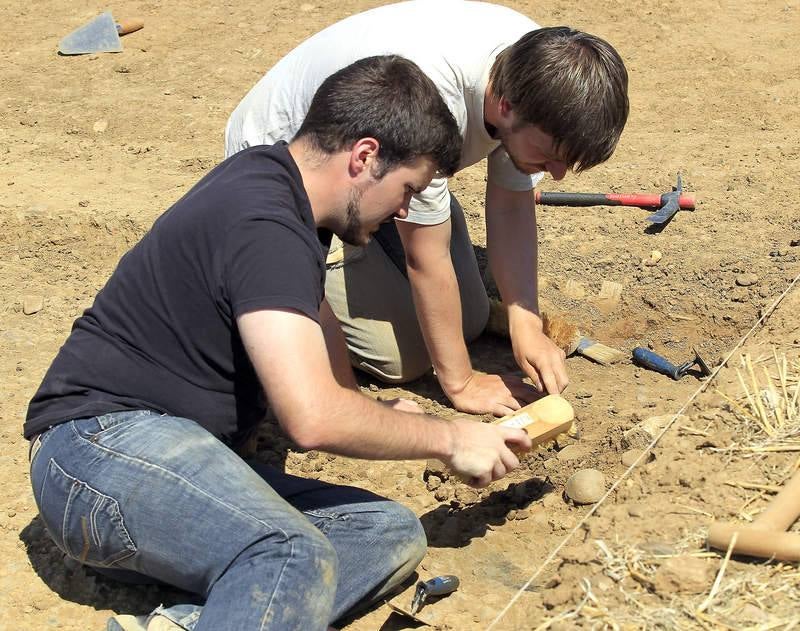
(540, 359)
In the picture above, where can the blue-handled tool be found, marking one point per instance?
(439, 586)
(653, 361)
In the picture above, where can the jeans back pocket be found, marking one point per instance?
(85, 523)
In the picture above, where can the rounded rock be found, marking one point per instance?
(586, 486)
(746, 279)
(631, 456)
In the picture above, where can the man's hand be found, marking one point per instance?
(495, 394)
(537, 355)
(482, 453)
(511, 240)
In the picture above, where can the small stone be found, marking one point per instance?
(437, 468)
(641, 434)
(442, 494)
(11, 512)
(466, 495)
(373, 387)
(551, 500)
(523, 513)
(582, 554)
(83, 203)
(631, 456)
(32, 304)
(684, 574)
(512, 515)
(100, 126)
(558, 596)
(746, 279)
(586, 486)
(653, 259)
(570, 452)
(433, 483)
(636, 510)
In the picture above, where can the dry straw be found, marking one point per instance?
(767, 405)
(769, 408)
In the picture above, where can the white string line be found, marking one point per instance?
(646, 451)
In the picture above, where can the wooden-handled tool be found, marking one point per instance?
(564, 334)
(129, 26)
(766, 537)
(543, 420)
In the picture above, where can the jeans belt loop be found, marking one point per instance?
(35, 444)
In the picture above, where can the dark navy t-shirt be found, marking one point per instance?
(162, 333)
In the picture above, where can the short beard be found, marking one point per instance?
(352, 227)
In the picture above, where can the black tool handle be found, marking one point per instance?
(654, 361)
(642, 200)
(576, 199)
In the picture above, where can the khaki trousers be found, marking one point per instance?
(372, 299)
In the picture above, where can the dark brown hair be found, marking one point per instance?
(390, 99)
(571, 85)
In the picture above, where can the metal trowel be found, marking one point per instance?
(101, 35)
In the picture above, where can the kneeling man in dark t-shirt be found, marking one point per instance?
(218, 311)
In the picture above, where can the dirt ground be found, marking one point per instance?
(95, 147)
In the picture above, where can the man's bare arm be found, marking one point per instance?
(512, 247)
(438, 305)
(289, 354)
(337, 347)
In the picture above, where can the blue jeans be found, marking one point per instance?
(138, 494)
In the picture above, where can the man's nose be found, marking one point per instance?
(557, 170)
(402, 212)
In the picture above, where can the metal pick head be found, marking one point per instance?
(671, 206)
(704, 369)
(419, 598)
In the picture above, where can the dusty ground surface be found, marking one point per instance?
(96, 147)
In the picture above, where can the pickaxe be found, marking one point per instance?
(767, 536)
(668, 204)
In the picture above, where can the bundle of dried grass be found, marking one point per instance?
(768, 403)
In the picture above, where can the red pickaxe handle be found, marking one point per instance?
(686, 202)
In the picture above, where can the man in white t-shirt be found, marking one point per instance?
(532, 100)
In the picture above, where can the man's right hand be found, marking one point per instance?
(492, 394)
(483, 453)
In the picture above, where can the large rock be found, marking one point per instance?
(586, 486)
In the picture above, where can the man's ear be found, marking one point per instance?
(363, 154)
(504, 107)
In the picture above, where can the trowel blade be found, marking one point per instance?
(98, 36)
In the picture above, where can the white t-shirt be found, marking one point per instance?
(455, 43)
